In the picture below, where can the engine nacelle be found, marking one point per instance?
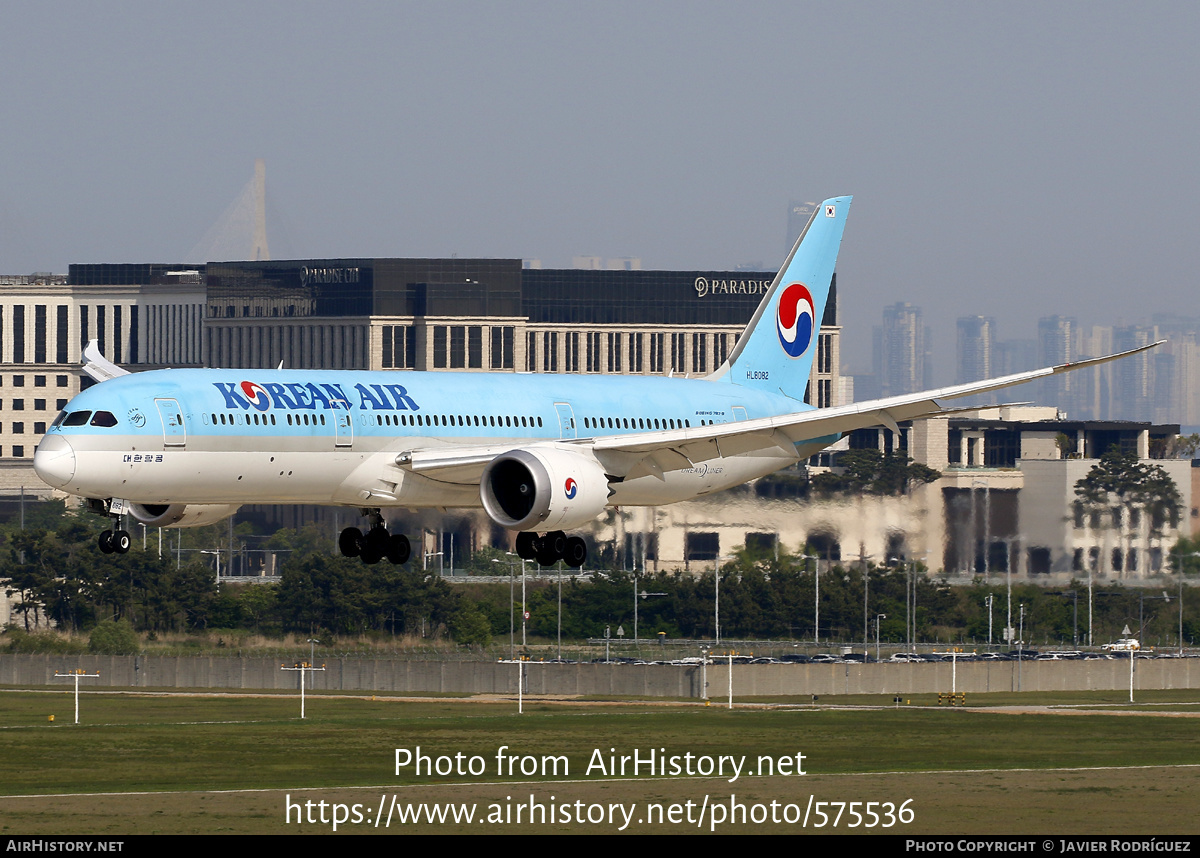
(181, 515)
(543, 488)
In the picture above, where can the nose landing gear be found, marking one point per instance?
(376, 543)
(114, 541)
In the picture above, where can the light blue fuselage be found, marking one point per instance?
(280, 436)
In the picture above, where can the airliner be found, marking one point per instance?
(541, 454)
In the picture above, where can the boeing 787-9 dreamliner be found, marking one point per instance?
(541, 454)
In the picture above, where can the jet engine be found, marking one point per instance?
(181, 515)
(543, 488)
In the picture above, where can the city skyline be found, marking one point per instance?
(1161, 386)
(1011, 162)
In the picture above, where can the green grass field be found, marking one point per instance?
(229, 763)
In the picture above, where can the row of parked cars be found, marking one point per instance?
(927, 657)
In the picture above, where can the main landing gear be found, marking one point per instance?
(551, 547)
(376, 543)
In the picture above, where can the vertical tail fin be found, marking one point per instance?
(776, 350)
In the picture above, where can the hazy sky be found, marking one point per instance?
(1008, 159)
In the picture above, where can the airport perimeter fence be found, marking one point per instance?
(407, 676)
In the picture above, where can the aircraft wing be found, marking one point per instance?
(651, 453)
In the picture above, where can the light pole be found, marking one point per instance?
(216, 554)
(862, 556)
(511, 621)
(1142, 612)
(717, 598)
(312, 653)
(1075, 622)
(907, 598)
(1008, 621)
(643, 595)
(817, 594)
(878, 617)
(988, 600)
(1180, 561)
(1021, 646)
(1090, 564)
(910, 581)
(512, 646)
(635, 609)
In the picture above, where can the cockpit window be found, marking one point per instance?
(58, 419)
(104, 418)
(77, 418)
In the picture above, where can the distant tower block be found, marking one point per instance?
(260, 250)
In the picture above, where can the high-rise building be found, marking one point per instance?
(1056, 340)
(1184, 398)
(900, 353)
(976, 348)
(1134, 378)
(1094, 386)
(1057, 345)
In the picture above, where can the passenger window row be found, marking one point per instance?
(506, 420)
(635, 423)
(256, 419)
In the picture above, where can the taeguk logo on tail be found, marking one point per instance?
(571, 488)
(795, 319)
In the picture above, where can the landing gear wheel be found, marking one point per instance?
(121, 541)
(398, 549)
(351, 542)
(527, 545)
(376, 541)
(106, 541)
(370, 556)
(550, 548)
(576, 553)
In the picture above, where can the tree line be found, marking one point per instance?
(57, 577)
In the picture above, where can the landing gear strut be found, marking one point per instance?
(551, 547)
(376, 543)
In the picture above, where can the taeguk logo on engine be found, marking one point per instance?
(571, 488)
(795, 319)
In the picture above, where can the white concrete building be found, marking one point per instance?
(46, 320)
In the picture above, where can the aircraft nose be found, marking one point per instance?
(54, 461)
